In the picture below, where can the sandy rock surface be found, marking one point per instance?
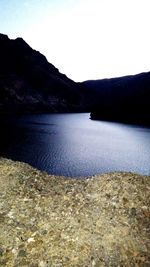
(51, 221)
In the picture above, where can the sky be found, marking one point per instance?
(85, 39)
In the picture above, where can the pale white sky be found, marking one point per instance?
(85, 39)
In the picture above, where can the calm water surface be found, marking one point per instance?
(73, 145)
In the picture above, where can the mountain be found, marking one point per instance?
(124, 99)
(29, 83)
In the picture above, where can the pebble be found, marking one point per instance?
(31, 239)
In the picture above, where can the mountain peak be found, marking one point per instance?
(3, 37)
(28, 82)
(20, 40)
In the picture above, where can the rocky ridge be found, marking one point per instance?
(29, 83)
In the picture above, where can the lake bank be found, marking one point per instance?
(48, 220)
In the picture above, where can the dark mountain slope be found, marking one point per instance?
(125, 99)
(29, 83)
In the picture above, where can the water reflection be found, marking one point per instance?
(73, 145)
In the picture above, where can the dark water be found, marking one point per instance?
(73, 145)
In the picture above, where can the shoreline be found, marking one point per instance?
(48, 220)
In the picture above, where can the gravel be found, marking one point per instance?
(52, 221)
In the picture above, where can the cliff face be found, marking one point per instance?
(123, 99)
(29, 83)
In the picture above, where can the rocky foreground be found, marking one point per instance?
(49, 221)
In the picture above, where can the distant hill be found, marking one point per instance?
(125, 99)
(29, 83)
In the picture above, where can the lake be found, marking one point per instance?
(73, 145)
